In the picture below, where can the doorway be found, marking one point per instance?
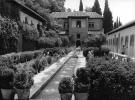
(78, 43)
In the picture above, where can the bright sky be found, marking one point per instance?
(125, 9)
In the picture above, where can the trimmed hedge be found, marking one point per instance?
(111, 79)
(19, 57)
(96, 51)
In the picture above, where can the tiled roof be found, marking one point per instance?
(75, 14)
(27, 9)
(130, 24)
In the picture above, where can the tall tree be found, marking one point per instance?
(96, 7)
(117, 23)
(81, 6)
(120, 22)
(107, 22)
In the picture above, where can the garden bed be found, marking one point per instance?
(111, 79)
(31, 63)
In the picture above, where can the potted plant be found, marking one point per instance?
(81, 84)
(66, 88)
(6, 82)
(22, 83)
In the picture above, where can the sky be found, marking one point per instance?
(125, 9)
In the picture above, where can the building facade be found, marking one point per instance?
(123, 38)
(18, 11)
(79, 24)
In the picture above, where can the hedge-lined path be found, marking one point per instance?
(50, 92)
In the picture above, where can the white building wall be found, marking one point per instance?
(130, 50)
(24, 15)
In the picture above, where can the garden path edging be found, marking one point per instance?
(36, 89)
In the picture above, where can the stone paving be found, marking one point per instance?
(41, 79)
(50, 92)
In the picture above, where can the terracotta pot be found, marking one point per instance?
(7, 94)
(23, 94)
(66, 96)
(81, 96)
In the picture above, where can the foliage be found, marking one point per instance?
(96, 7)
(16, 58)
(6, 77)
(23, 80)
(82, 75)
(111, 79)
(80, 87)
(40, 63)
(107, 22)
(30, 32)
(66, 85)
(95, 40)
(9, 35)
(96, 51)
(117, 23)
(81, 6)
(86, 50)
(45, 42)
(65, 41)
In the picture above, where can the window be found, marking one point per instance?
(126, 41)
(78, 36)
(91, 24)
(131, 40)
(121, 41)
(65, 25)
(78, 24)
(113, 41)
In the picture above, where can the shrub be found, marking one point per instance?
(6, 77)
(80, 87)
(111, 79)
(82, 75)
(23, 80)
(66, 85)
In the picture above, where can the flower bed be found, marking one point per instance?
(111, 79)
(24, 72)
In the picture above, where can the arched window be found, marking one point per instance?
(78, 24)
(132, 40)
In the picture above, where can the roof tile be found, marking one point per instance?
(75, 14)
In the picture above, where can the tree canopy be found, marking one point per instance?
(96, 7)
(108, 22)
(81, 6)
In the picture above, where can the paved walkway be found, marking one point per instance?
(50, 92)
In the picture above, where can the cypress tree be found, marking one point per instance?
(81, 6)
(96, 7)
(107, 22)
(117, 23)
(120, 22)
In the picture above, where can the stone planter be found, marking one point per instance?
(23, 94)
(81, 96)
(7, 94)
(66, 96)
